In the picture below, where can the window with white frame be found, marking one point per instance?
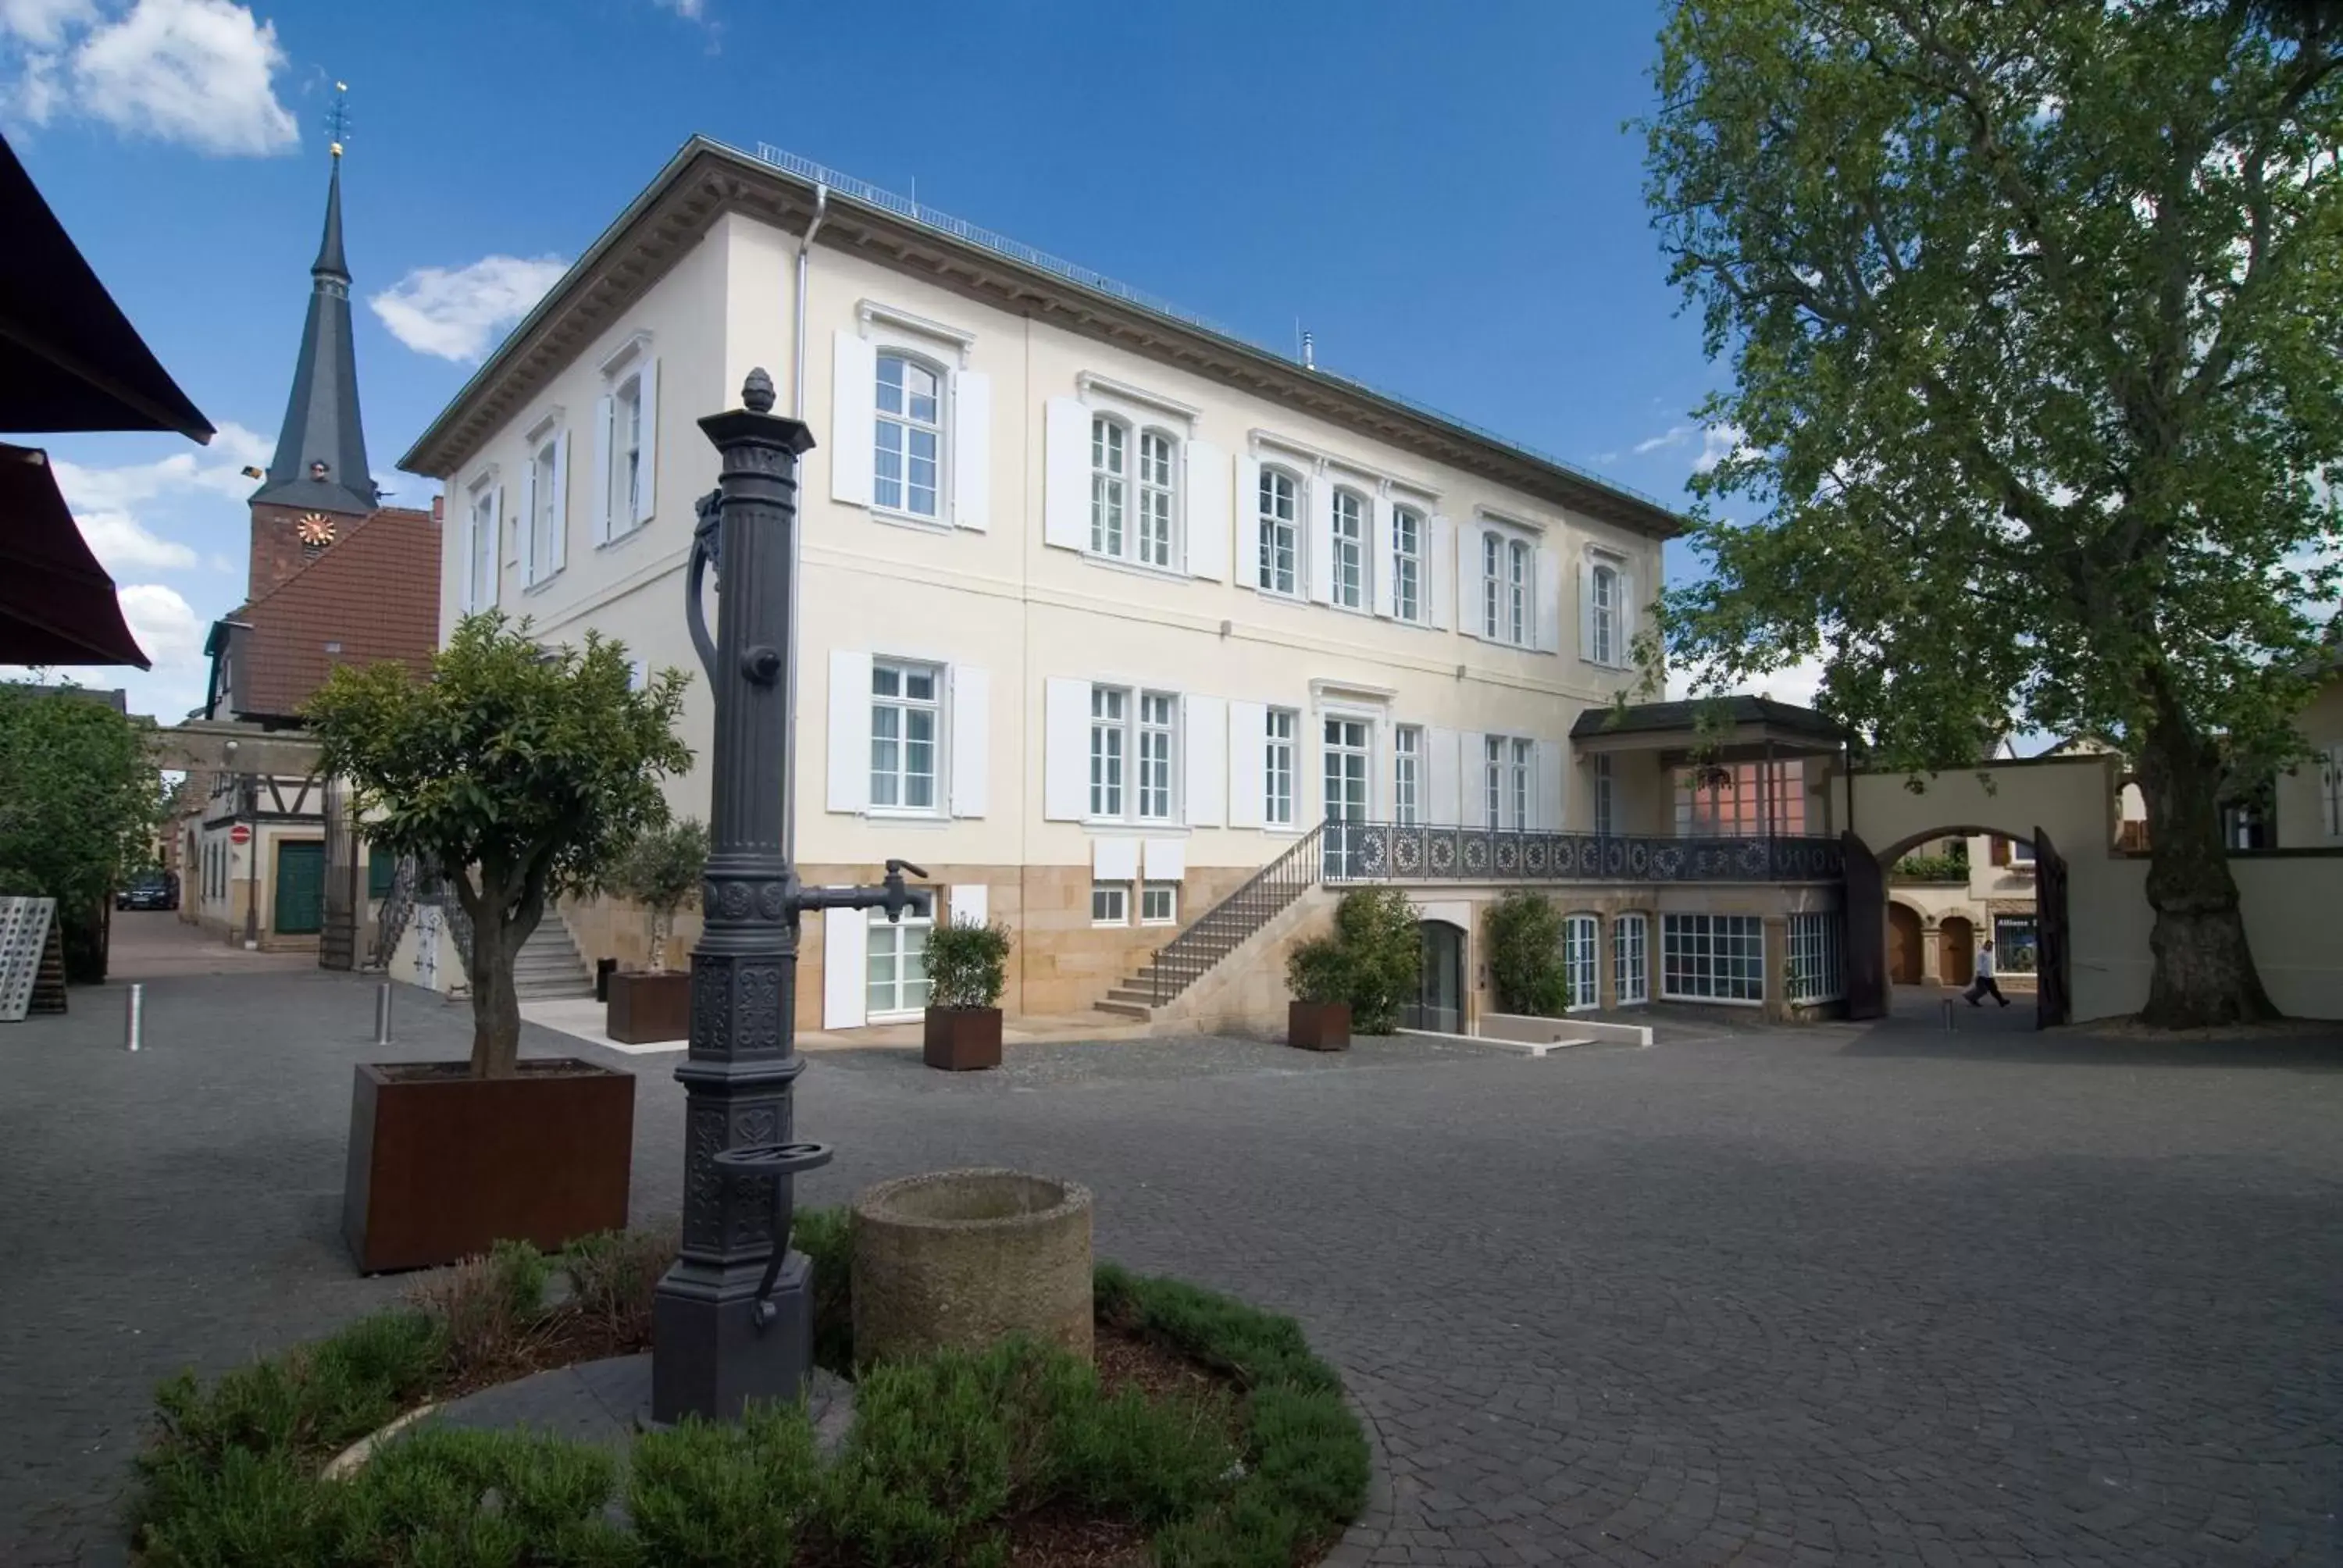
(1407, 564)
(906, 716)
(1134, 754)
(1713, 957)
(1631, 963)
(895, 965)
(1110, 741)
(1606, 805)
(545, 518)
(906, 458)
(2331, 790)
(1508, 563)
(1156, 508)
(1581, 936)
(482, 589)
(1603, 594)
(1517, 592)
(1350, 546)
(1109, 484)
(1407, 774)
(1493, 574)
(1159, 904)
(1817, 953)
(1281, 531)
(1507, 762)
(1522, 764)
(625, 448)
(1277, 766)
(1110, 903)
(1158, 729)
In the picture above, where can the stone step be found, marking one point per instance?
(1125, 1009)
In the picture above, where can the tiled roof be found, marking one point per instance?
(373, 594)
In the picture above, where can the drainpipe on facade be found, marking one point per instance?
(797, 549)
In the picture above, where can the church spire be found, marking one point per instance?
(321, 461)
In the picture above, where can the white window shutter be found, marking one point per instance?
(1445, 806)
(844, 967)
(1066, 749)
(1066, 474)
(1164, 860)
(1468, 581)
(602, 409)
(525, 537)
(1549, 785)
(1548, 600)
(849, 730)
(1629, 607)
(1205, 490)
(494, 585)
(1379, 559)
(1248, 528)
(971, 739)
(647, 485)
(1205, 735)
(1319, 550)
(1586, 610)
(853, 407)
(971, 903)
(558, 556)
(1472, 767)
(1248, 784)
(971, 439)
(1114, 860)
(1440, 561)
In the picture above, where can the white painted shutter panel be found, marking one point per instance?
(1549, 785)
(1548, 600)
(1248, 790)
(853, 407)
(1247, 529)
(1473, 772)
(971, 739)
(1207, 495)
(1586, 610)
(525, 537)
(971, 437)
(1320, 548)
(1447, 803)
(602, 471)
(646, 474)
(849, 730)
(1379, 559)
(1629, 608)
(559, 556)
(1439, 558)
(1114, 860)
(493, 555)
(971, 903)
(1066, 474)
(1205, 731)
(844, 967)
(1164, 860)
(1468, 581)
(1065, 749)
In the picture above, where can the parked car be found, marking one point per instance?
(155, 890)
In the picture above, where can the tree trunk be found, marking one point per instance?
(498, 930)
(2204, 972)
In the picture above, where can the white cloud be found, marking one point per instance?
(1717, 443)
(1674, 436)
(200, 72)
(1798, 683)
(217, 470)
(689, 10)
(123, 544)
(455, 312)
(164, 623)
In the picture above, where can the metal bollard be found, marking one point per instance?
(1950, 1027)
(382, 1013)
(135, 1017)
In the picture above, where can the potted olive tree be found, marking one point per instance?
(967, 967)
(659, 871)
(516, 772)
(1356, 978)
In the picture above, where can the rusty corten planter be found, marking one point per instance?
(444, 1165)
(1318, 1025)
(963, 1038)
(645, 1009)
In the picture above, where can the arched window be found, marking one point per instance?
(1350, 549)
(1109, 467)
(1603, 593)
(906, 470)
(1280, 533)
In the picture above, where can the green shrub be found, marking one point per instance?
(1934, 868)
(1523, 933)
(967, 964)
(490, 1306)
(826, 1236)
(1318, 970)
(726, 1496)
(613, 1276)
(1371, 960)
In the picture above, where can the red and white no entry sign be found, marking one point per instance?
(239, 834)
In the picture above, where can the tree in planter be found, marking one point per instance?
(2031, 310)
(968, 964)
(1373, 960)
(660, 870)
(1523, 933)
(516, 772)
(80, 799)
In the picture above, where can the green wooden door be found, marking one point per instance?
(300, 889)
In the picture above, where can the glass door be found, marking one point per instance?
(1578, 936)
(1346, 759)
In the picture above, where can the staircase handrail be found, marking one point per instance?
(1191, 954)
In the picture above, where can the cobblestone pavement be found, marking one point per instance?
(1827, 1296)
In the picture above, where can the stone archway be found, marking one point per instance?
(1955, 950)
(1907, 957)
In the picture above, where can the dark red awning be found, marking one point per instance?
(56, 603)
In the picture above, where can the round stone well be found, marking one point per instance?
(966, 1259)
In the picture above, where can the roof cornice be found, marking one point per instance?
(706, 179)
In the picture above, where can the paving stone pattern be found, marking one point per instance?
(1749, 1297)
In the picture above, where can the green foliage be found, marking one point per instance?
(488, 1307)
(1524, 933)
(1932, 868)
(726, 1496)
(967, 964)
(2031, 309)
(516, 771)
(1371, 960)
(1318, 970)
(826, 1236)
(662, 868)
(80, 802)
(613, 1275)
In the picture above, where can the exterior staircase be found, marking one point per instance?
(550, 965)
(1218, 932)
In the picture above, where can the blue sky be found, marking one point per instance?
(1444, 196)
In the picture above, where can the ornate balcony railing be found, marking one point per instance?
(1392, 852)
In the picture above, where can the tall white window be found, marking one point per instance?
(1607, 804)
(1493, 780)
(1346, 769)
(1492, 585)
(1277, 768)
(895, 965)
(1631, 963)
(1521, 764)
(1281, 534)
(1407, 775)
(1713, 957)
(1407, 564)
(905, 715)
(2330, 790)
(1108, 485)
(1603, 596)
(1156, 507)
(626, 453)
(907, 460)
(1157, 728)
(1518, 593)
(1507, 763)
(484, 549)
(545, 468)
(1109, 721)
(1580, 943)
(1817, 943)
(1350, 549)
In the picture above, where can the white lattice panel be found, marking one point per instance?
(24, 932)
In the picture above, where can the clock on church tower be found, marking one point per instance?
(315, 530)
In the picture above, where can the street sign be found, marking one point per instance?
(239, 834)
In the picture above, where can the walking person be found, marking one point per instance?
(1983, 985)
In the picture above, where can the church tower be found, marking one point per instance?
(317, 486)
